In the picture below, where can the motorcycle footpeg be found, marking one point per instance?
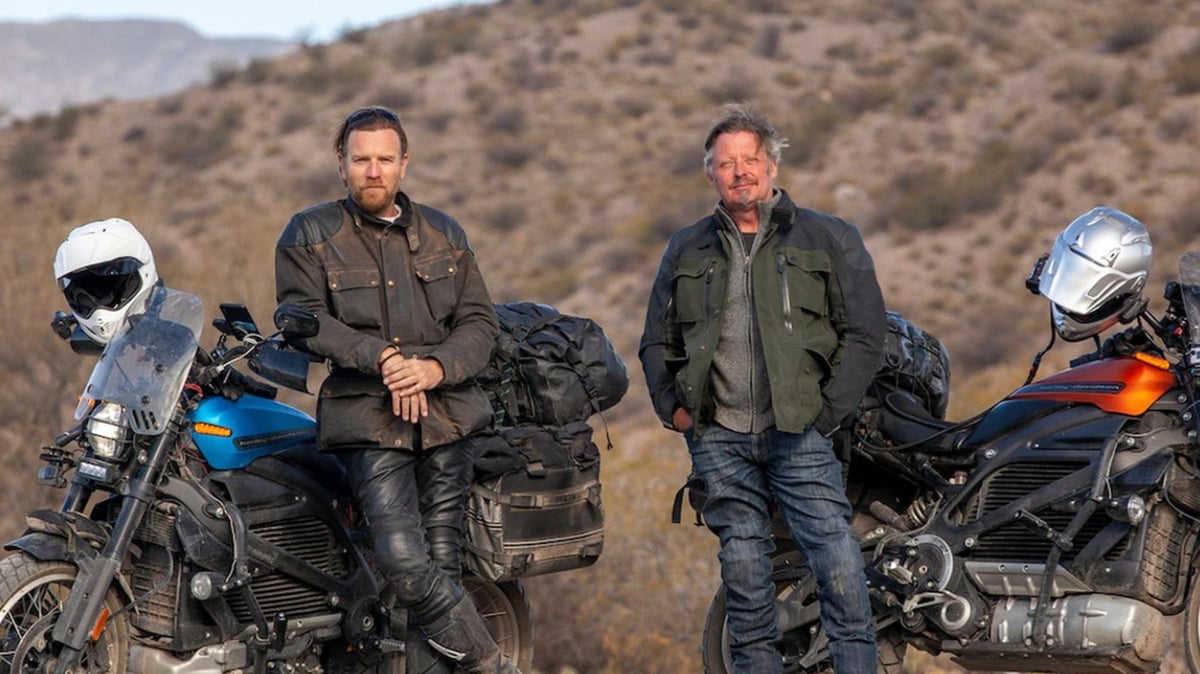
(388, 645)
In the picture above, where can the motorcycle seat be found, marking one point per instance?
(907, 423)
(328, 467)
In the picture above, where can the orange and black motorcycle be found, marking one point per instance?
(1054, 532)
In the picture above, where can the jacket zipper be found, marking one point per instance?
(708, 281)
(781, 264)
(750, 334)
(387, 321)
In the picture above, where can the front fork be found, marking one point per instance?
(83, 618)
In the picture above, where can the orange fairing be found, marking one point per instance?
(1117, 385)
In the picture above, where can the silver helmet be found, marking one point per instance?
(1096, 272)
(105, 269)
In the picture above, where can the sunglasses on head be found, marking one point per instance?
(373, 111)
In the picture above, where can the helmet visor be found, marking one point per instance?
(108, 285)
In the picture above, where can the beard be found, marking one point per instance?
(374, 201)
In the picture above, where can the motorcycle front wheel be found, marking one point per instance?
(506, 609)
(804, 649)
(32, 595)
(1191, 626)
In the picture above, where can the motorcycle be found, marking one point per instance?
(201, 529)
(1054, 532)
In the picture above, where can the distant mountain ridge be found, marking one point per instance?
(46, 66)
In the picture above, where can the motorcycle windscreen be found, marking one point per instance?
(1189, 281)
(145, 367)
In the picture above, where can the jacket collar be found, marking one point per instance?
(402, 201)
(780, 214)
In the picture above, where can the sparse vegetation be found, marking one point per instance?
(1184, 71)
(1131, 27)
(196, 145)
(508, 154)
(567, 138)
(30, 159)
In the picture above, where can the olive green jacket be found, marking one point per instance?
(818, 306)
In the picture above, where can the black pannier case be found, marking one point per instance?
(535, 505)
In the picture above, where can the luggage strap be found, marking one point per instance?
(588, 492)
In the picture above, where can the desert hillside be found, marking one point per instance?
(960, 136)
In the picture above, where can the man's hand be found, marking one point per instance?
(410, 408)
(681, 419)
(408, 379)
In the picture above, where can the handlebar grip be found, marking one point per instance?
(258, 388)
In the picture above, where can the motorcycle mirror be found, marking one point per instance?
(1035, 274)
(82, 344)
(63, 324)
(296, 322)
(1189, 281)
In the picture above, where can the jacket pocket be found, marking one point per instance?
(804, 289)
(693, 290)
(356, 296)
(436, 276)
(353, 412)
(454, 413)
(806, 279)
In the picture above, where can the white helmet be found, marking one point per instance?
(106, 271)
(1096, 273)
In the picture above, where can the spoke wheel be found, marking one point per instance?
(805, 648)
(506, 609)
(32, 594)
(1191, 626)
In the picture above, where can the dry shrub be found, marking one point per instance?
(339, 80)
(506, 217)
(1131, 27)
(398, 97)
(1077, 83)
(810, 127)
(511, 120)
(1183, 73)
(736, 86)
(770, 40)
(223, 73)
(198, 145)
(29, 159)
(509, 154)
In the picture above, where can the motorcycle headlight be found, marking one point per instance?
(1131, 509)
(107, 431)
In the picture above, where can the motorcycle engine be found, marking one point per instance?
(924, 565)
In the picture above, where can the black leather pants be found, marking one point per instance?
(414, 503)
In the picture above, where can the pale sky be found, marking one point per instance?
(314, 20)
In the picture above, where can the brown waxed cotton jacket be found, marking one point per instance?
(413, 284)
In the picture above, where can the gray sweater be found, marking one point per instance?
(739, 372)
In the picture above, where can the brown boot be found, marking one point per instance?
(462, 635)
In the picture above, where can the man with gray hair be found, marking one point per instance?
(764, 328)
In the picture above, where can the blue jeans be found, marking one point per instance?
(743, 474)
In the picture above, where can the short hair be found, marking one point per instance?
(371, 118)
(743, 117)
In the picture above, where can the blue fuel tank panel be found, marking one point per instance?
(241, 431)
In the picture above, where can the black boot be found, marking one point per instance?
(462, 635)
(420, 658)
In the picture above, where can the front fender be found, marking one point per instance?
(57, 535)
(53, 535)
(42, 546)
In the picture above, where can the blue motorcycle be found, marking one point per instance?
(201, 530)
